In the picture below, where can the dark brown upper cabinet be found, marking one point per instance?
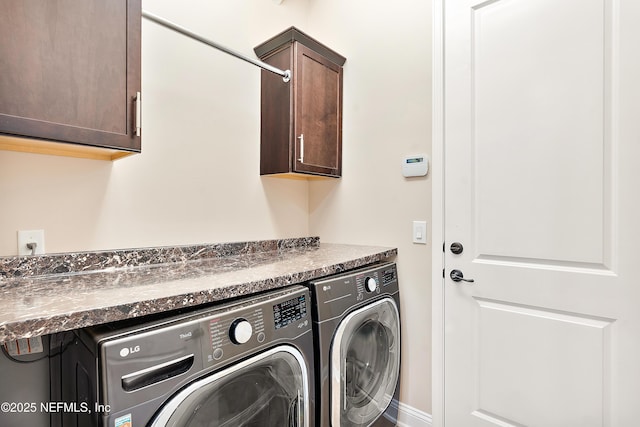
(301, 121)
(70, 73)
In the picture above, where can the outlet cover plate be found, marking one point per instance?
(28, 236)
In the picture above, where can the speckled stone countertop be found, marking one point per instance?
(55, 293)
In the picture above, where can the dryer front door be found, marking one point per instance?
(365, 364)
(270, 389)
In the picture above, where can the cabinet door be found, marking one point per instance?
(70, 70)
(318, 113)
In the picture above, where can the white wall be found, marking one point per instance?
(197, 179)
(387, 114)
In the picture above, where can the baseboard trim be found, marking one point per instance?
(408, 416)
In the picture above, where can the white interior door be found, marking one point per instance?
(541, 176)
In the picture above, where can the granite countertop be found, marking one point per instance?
(55, 293)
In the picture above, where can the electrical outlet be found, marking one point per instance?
(26, 237)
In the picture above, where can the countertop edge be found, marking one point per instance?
(44, 325)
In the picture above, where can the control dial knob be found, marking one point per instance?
(240, 331)
(370, 284)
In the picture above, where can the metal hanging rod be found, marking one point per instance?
(286, 74)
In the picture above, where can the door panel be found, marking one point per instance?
(552, 360)
(541, 140)
(538, 126)
(318, 119)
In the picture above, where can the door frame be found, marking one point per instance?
(437, 206)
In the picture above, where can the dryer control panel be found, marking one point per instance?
(338, 294)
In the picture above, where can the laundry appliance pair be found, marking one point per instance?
(326, 354)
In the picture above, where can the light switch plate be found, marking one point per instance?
(420, 232)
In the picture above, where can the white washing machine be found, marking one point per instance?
(248, 363)
(357, 327)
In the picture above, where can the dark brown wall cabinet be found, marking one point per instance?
(301, 121)
(70, 72)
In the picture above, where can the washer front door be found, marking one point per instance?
(365, 364)
(270, 389)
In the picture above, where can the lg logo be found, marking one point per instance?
(129, 350)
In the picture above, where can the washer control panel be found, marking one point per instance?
(289, 311)
(230, 330)
(242, 329)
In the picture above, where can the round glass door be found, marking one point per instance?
(267, 390)
(366, 350)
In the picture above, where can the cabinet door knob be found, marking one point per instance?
(301, 138)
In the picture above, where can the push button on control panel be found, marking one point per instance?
(218, 353)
